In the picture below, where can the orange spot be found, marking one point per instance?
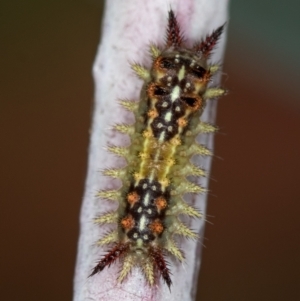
(170, 162)
(127, 222)
(147, 134)
(161, 203)
(156, 227)
(157, 63)
(132, 197)
(175, 141)
(151, 89)
(182, 122)
(152, 113)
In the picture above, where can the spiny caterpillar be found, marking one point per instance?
(158, 160)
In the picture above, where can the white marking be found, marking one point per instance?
(177, 109)
(159, 125)
(142, 224)
(168, 116)
(175, 93)
(162, 136)
(177, 55)
(165, 104)
(140, 210)
(170, 128)
(146, 199)
(145, 186)
(145, 236)
(135, 235)
(187, 85)
(149, 211)
(169, 78)
(181, 73)
(153, 187)
(177, 61)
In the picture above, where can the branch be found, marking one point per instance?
(128, 29)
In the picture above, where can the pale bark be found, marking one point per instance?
(128, 29)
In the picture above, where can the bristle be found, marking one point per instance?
(155, 52)
(129, 105)
(195, 171)
(113, 195)
(190, 211)
(111, 237)
(190, 170)
(108, 218)
(182, 207)
(126, 267)
(213, 93)
(206, 46)
(124, 128)
(198, 149)
(115, 253)
(161, 264)
(205, 128)
(115, 173)
(174, 250)
(187, 187)
(182, 229)
(141, 72)
(149, 271)
(213, 69)
(174, 37)
(119, 151)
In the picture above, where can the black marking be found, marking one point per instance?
(167, 63)
(163, 105)
(160, 125)
(148, 212)
(160, 91)
(198, 71)
(190, 101)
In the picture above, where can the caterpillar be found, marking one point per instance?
(158, 170)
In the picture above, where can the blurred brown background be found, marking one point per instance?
(47, 50)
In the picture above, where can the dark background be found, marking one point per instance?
(47, 50)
